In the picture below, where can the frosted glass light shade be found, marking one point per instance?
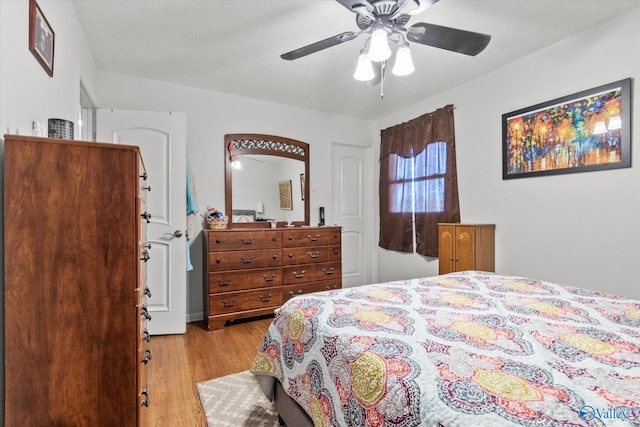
(404, 64)
(379, 50)
(364, 69)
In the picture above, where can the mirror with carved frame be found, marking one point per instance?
(266, 178)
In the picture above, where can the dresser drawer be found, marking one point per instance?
(290, 291)
(227, 302)
(243, 260)
(266, 297)
(293, 256)
(247, 240)
(242, 280)
(311, 272)
(310, 237)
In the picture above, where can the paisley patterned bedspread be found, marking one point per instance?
(462, 349)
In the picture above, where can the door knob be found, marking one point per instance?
(176, 233)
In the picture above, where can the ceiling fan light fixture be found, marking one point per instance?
(379, 50)
(404, 64)
(364, 69)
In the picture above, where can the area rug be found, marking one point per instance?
(235, 401)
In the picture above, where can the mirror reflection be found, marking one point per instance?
(266, 181)
(270, 186)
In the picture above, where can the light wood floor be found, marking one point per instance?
(181, 361)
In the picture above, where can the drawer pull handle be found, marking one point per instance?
(313, 238)
(294, 294)
(295, 274)
(147, 356)
(265, 299)
(334, 287)
(146, 402)
(247, 242)
(231, 304)
(145, 256)
(147, 292)
(145, 313)
(316, 255)
(146, 216)
(146, 336)
(330, 271)
(227, 283)
(269, 279)
(148, 188)
(249, 261)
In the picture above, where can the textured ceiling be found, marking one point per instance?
(234, 46)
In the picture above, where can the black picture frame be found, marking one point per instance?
(582, 132)
(42, 38)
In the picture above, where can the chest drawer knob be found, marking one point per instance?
(336, 251)
(146, 216)
(295, 274)
(147, 356)
(269, 279)
(218, 260)
(146, 402)
(329, 271)
(247, 261)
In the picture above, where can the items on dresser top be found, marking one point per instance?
(250, 272)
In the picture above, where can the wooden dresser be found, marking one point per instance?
(76, 344)
(251, 272)
(466, 247)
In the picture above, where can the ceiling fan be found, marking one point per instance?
(385, 21)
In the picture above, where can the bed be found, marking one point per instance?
(462, 349)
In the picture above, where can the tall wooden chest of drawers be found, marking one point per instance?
(75, 284)
(251, 272)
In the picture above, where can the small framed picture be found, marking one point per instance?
(41, 37)
(286, 200)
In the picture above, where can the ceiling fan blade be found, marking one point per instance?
(452, 39)
(321, 45)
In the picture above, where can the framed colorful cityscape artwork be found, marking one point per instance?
(585, 131)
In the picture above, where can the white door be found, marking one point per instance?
(352, 210)
(162, 141)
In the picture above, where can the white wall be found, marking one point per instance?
(579, 229)
(211, 115)
(27, 93)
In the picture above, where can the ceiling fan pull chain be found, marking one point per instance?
(382, 79)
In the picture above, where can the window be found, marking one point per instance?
(421, 178)
(418, 182)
